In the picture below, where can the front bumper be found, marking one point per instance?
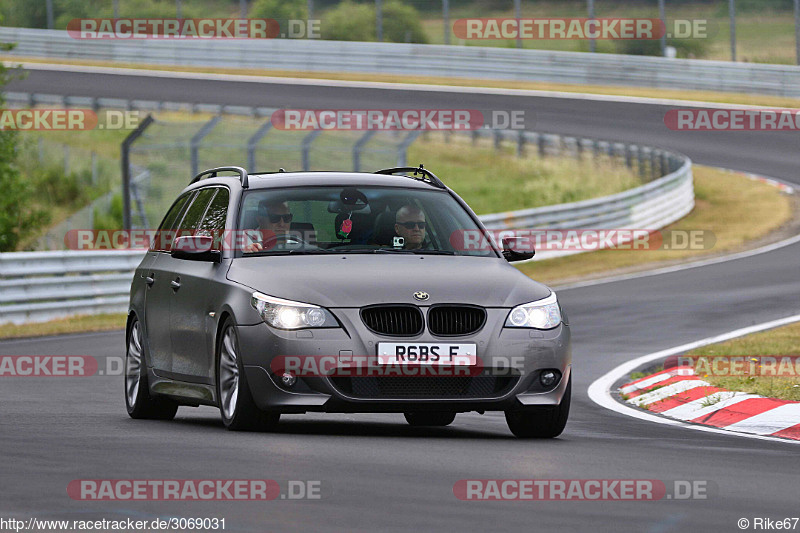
(512, 360)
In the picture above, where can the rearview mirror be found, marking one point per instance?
(512, 252)
(195, 248)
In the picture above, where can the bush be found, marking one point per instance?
(73, 189)
(18, 217)
(695, 48)
(110, 220)
(280, 10)
(356, 22)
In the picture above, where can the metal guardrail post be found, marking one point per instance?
(379, 20)
(126, 169)
(402, 150)
(653, 166)
(307, 140)
(520, 143)
(540, 144)
(194, 144)
(498, 138)
(358, 146)
(641, 163)
(253, 141)
(446, 18)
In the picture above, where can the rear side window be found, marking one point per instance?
(194, 214)
(163, 237)
(214, 220)
(217, 212)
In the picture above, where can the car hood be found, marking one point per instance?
(355, 280)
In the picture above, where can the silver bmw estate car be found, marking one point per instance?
(294, 292)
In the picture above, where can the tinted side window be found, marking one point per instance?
(191, 220)
(214, 220)
(217, 212)
(162, 239)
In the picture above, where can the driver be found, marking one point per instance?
(410, 224)
(274, 218)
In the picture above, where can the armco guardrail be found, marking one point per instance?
(39, 286)
(419, 60)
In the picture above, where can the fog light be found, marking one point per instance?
(548, 378)
(288, 379)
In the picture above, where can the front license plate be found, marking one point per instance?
(425, 353)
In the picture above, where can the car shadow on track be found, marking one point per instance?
(361, 428)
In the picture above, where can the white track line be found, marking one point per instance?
(318, 82)
(600, 390)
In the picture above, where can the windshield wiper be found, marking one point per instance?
(433, 252)
(369, 250)
(284, 252)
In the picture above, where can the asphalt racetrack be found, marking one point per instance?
(378, 473)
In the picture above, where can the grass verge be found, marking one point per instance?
(82, 323)
(780, 341)
(643, 92)
(735, 209)
(491, 181)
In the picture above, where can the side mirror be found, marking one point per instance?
(512, 252)
(196, 248)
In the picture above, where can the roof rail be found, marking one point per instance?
(212, 173)
(424, 175)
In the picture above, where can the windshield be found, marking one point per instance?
(340, 219)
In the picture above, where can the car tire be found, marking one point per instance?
(429, 418)
(138, 400)
(540, 422)
(236, 406)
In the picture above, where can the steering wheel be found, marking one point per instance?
(288, 238)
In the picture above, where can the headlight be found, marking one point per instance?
(541, 314)
(286, 314)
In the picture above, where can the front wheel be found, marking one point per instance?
(541, 422)
(138, 401)
(432, 418)
(239, 412)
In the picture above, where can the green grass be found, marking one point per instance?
(763, 36)
(780, 341)
(491, 181)
(736, 210)
(82, 323)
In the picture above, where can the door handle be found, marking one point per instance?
(149, 280)
(175, 284)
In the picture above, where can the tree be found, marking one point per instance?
(18, 217)
(349, 21)
(280, 10)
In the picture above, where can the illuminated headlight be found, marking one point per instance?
(286, 314)
(541, 314)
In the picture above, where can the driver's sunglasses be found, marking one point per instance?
(410, 225)
(274, 219)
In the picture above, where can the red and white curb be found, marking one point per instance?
(603, 390)
(678, 393)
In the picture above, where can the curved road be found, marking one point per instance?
(378, 473)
